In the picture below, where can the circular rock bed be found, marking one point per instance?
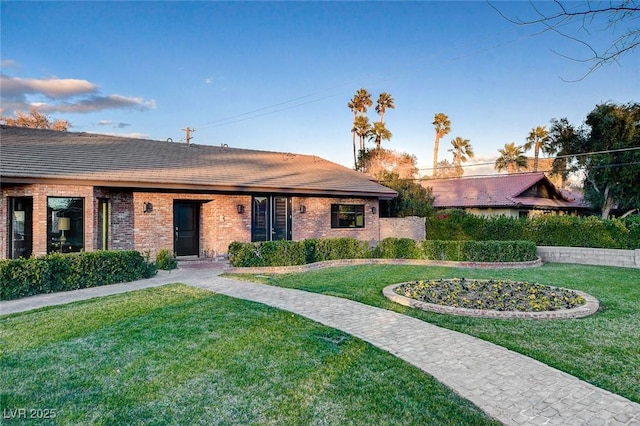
(493, 298)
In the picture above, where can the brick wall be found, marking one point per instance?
(402, 227)
(39, 193)
(315, 222)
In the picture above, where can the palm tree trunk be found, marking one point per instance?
(535, 159)
(355, 158)
(435, 154)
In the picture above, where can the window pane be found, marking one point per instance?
(347, 216)
(65, 224)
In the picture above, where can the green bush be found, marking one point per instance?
(479, 251)
(165, 260)
(285, 253)
(398, 248)
(60, 272)
(545, 230)
(267, 253)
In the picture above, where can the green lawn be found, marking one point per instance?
(179, 355)
(602, 349)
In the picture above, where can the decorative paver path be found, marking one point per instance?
(512, 388)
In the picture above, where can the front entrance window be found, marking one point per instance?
(271, 218)
(65, 224)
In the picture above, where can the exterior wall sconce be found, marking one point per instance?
(373, 210)
(147, 208)
(303, 209)
(240, 208)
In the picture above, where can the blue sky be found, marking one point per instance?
(278, 75)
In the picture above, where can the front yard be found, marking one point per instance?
(179, 355)
(602, 349)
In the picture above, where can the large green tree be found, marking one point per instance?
(511, 158)
(442, 124)
(539, 140)
(462, 151)
(413, 199)
(606, 152)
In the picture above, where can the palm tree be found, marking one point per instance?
(443, 127)
(378, 133)
(358, 105)
(362, 128)
(385, 102)
(462, 151)
(511, 158)
(540, 140)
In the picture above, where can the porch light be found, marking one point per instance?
(240, 208)
(303, 209)
(373, 210)
(147, 207)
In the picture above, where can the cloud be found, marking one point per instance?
(208, 80)
(113, 124)
(9, 63)
(63, 95)
(54, 88)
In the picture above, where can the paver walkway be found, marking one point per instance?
(512, 388)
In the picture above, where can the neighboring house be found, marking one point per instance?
(513, 195)
(71, 192)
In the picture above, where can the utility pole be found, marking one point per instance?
(188, 136)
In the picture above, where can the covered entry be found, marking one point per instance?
(186, 226)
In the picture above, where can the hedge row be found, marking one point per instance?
(564, 231)
(61, 272)
(288, 253)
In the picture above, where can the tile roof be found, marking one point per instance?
(497, 191)
(28, 154)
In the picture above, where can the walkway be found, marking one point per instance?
(512, 388)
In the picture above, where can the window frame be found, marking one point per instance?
(345, 216)
(54, 243)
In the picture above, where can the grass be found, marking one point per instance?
(180, 355)
(602, 349)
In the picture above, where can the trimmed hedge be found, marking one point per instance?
(61, 272)
(288, 253)
(564, 231)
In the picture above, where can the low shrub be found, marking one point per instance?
(165, 260)
(60, 272)
(398, 248)
(285, 253)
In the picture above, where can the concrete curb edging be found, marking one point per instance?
(351, 262)
(589, 308)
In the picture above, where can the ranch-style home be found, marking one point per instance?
(70, 192)
(512, 195)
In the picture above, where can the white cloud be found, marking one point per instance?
(63, 95)
(54, 88)
(208, 80)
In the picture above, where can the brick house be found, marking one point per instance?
(69, 192)
(513, 195)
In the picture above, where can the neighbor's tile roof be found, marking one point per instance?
(495, 191)
(28, 154)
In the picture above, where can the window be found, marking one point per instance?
(65, 224)
(103, 223)
(347, 215)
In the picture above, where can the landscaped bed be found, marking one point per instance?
(494, 298)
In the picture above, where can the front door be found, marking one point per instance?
(186, 226)
(271, 218)
(20, 225)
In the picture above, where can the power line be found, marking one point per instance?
(609, 151)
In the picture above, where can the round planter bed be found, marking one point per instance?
(492, 299)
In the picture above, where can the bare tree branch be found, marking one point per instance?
(618, 15)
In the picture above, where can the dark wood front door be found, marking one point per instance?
(186, 226)
(20, 225)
